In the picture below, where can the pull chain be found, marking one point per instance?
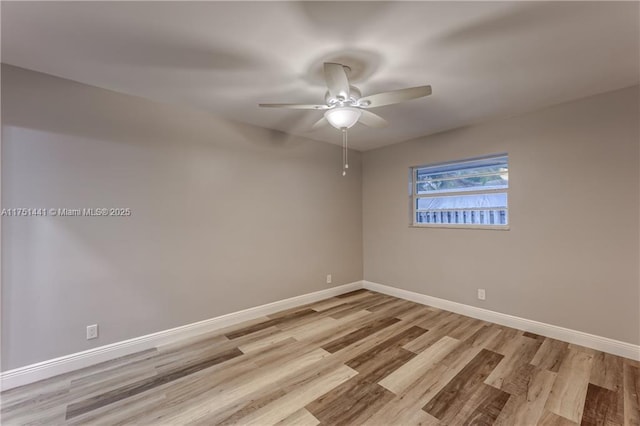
(345, 152)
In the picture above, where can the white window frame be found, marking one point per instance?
(413, 196)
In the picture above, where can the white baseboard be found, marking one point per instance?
(53, 367)
(600, 343)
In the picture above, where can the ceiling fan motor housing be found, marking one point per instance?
(354, 95)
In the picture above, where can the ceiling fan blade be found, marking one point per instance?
(337, 80)
(372, 120)
(294, 106)
(320, 123)
(394, 97)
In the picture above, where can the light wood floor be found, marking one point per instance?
(359, 359)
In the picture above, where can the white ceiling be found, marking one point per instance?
(483, 60)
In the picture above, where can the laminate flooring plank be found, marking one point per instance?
(288, 312)
(421, 315)
(551, 419)
(120, 412)
(265, 342)
(460, 356)
(385, 304)
(489, 409)
(200, 404)
(467, 329)
(242, 407)
(32, 394)
(602, 407)
(361, 346)
(533, 335)
(405, 408)
(53, 415)
(570, 387)
(517, 382)
(54, 387)
(416, 316)
(550, 354)
(320, 325)
(307, 320)
(182, 395)
(584, 349)
(377, 369)
(353, 402)
(483, 407)
(269, 323)
(242, 368)
(379, 351)
(437, 318)
(419, 311)
(359, 292)
(49, 397)
(401, 309)
(527, 405)
(633, 362)
(294, 401)
(326, 329)
(326, 304)
(110, 379)
(440, 330)
(254, 401)
(278, 352)
(499, 344)
(361, 304)
(361, 333)
(301, 417)
(398, 412)
(81, 393)
(329, 312)
(78, 396)
(517, 353)
(180, 344)
(185, 390)
(45, 417)
(135, 388)
(398, 381)
(453, 396)
(365, 300)
(452, 369)
(631, 384)
(607, 371)
(194, 352)
(483, 336)
(343, 327)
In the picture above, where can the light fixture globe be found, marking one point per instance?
(343, 117)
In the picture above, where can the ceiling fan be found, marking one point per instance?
(344, 105)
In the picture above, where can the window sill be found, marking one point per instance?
(450, 226)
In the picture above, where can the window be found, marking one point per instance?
(464, 194)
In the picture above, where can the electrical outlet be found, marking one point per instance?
(92, 331)
(481, 294)
(329, 279)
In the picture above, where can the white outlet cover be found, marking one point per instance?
(329, 279)
(92, 331)
(481, 294)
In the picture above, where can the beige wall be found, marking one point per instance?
(225, 216)
(571, 257)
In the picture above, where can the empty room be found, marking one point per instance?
(320, 213)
